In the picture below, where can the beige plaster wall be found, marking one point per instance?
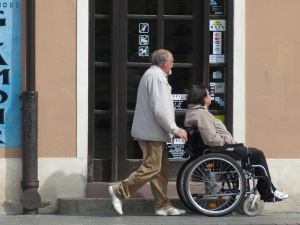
(56, 77)
(272, 77)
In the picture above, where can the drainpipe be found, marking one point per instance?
(30, 197)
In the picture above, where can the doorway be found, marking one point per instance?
(123, 35)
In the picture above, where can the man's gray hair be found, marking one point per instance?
(158, 59)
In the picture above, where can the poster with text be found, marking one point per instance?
(10, 73)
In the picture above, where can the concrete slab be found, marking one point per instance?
(100, 190)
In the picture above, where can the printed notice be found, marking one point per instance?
(178, 100)
(176, 149)
(216, 59)
(217, 25)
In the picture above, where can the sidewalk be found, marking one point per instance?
(188, 219)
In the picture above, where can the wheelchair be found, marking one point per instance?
(215, 181)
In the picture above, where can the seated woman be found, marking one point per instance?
(214, 133)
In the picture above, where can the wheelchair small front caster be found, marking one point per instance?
(251, 212)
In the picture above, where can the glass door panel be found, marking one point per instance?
(142, 7)
(103, 40)
(102, 88)
(133, 149)
(182, 7)
(102, 127)
(102, 143)
(181, 79)
(179, 39)
(103, 7)
(134, 75)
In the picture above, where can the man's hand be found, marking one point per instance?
(181, 133)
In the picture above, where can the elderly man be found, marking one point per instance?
(153, 126)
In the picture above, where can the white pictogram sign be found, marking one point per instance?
(144, 28)
(144, 39)
(143, 50)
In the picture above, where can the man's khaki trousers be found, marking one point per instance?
(154, 168)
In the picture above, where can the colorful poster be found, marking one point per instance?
(10, 73)
(217, 43)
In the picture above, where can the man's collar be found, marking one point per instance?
(155, 66)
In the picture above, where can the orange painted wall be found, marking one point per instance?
(56, 77)
(272, 77)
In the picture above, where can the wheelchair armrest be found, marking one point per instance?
(227, 150)
(227, 146)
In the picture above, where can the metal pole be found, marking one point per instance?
(30, 197)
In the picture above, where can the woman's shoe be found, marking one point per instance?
(280, 195)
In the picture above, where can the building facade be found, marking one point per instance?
(90, 56)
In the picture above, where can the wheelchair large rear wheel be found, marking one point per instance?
(214, 184)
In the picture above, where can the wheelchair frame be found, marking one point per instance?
(215, 184)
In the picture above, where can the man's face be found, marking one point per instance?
(169, 64)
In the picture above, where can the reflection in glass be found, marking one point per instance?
(145, 7)
(134, 75)
(179, 39)
(102, 144)
(133, 149)
(179, 7)
(103, 7)
(102, 88)
(142, 40)
(102, 40)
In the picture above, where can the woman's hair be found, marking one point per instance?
(160, 56)
(196, 95)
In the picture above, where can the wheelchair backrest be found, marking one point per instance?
(195, 145)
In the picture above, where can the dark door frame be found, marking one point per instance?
(119, 106)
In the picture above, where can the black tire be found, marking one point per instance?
(179, 184)
(214, 184)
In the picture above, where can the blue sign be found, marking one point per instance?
(10, 73)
